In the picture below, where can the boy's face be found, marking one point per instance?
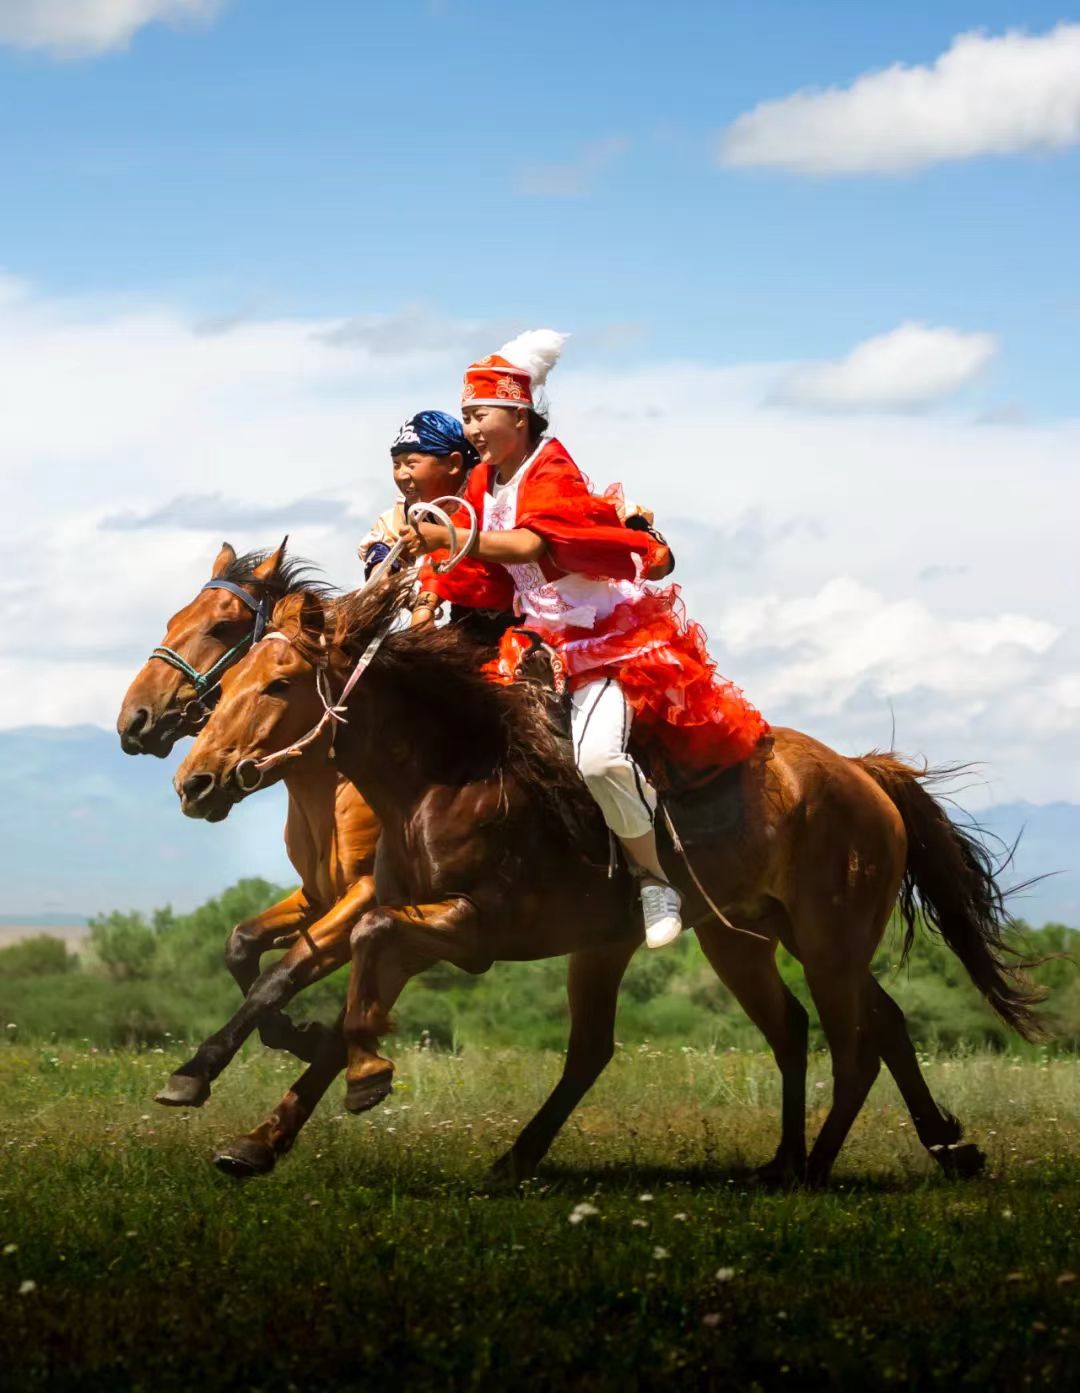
(423, 478)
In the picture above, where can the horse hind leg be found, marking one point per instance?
(747, 967)
(841, 996)
(938, 1130)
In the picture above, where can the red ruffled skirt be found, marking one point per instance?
(684, 711)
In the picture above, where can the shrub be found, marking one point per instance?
(42, 956)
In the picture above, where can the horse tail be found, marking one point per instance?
(951, 877)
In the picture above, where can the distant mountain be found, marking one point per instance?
(85, 829)
(42, 921)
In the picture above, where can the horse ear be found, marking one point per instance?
(299, 613)
(225, 557)
(312, 614)
(268, 569)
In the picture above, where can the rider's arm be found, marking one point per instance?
(513, 548)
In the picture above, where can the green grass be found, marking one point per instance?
(377, 1256)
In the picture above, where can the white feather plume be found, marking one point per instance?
(536, 350)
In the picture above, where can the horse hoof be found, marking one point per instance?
(963, 1162)
(511, 1169)
(243, 1159)
(367, 1092)
(780, 1174)
(184, 1091)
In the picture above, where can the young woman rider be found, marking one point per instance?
(580, 578)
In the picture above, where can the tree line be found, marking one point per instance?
(151, 979)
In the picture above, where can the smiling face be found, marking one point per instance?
(161, 704)
(499, 435)
(268, 701)
(423, 478)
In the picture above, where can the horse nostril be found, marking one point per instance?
(196, 786)
(138, 723)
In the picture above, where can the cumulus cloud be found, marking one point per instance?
(418, 330)
(209, 512)
(130, 445)
(847, 638)
(1010, 94)
(575, 177)
(75, 28)
(910, 367)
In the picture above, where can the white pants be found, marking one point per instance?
(600, 718)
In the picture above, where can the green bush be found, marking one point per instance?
(124, 944)
(151, 978)
(43, 956)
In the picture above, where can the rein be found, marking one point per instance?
(251, 772)
(208, 681)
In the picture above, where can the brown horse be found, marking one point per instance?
(494, 851)
(330, 833)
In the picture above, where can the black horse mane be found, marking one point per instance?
(436, 678)
(293, 575)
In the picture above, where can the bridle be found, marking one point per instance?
(250, 773)
(197, 711)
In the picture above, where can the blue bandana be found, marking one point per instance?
(433, 433)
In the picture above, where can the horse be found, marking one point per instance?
(330, 832)
(492, 850)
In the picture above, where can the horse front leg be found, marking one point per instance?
(592, 985)
(258, 1151)
(276, 927)
(321, 950)
(390, 945)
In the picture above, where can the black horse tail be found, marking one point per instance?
(951, 878)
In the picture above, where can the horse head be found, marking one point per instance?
(175, 688)
(269, 700)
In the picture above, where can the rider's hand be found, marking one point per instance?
(411, 544)
(635, 510)
(428, 536)
(433, 536)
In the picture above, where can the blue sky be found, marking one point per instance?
(340, 158)
(833, 339)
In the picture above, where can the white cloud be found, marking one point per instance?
(130, 413)
(910, 367)
(847, 638)
(985, 95)
(85, 27)
(577, 176)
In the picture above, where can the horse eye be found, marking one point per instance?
(275, 688)
(224, 627)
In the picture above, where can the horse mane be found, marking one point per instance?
(293, 575)
(489, 727)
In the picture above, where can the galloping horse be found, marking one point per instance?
(330, 832)
(494, 851)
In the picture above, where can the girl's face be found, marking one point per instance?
(423, 478)
(498, 434)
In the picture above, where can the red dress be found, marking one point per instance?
(587, 599)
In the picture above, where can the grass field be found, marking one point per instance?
(378, 1256)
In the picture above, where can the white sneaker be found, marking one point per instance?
(661, 905)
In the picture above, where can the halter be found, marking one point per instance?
(250, 772)
(208, 681)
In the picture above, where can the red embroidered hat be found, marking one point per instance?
(511, 376)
